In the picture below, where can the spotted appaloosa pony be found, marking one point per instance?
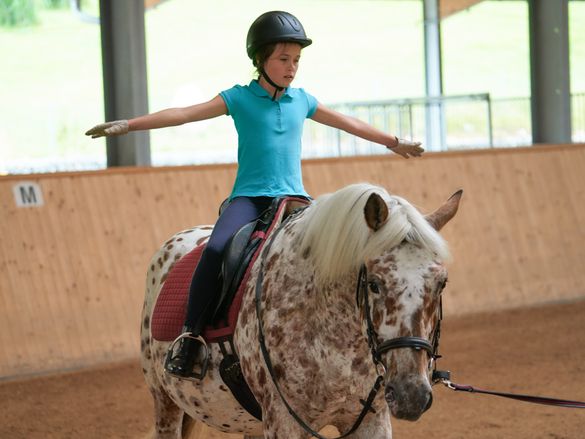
(315, 331)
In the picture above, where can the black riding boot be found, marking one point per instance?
(182, 357)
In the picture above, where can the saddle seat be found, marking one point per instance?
(169, 312)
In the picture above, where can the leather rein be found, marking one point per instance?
(376, 349)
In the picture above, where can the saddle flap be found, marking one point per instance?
(235, 261)
(234, 251)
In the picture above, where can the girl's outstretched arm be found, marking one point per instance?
(161, 119)
(359, 128)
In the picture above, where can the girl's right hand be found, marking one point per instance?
(114, 128)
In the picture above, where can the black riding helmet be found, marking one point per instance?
(274, 27)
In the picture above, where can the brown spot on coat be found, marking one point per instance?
(359, 366)
(194, 401)
(261, 377)
(416, 320)
(280, 372)
(377, 317)
(272, 261)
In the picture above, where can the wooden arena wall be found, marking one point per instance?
(72, 270)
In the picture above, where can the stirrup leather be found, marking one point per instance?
(204, 365)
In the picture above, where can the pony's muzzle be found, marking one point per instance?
(408, 400)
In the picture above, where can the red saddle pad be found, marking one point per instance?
(170, 310)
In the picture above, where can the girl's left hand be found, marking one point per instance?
(114, 128)
(407, 148)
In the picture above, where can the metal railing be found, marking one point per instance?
(466, 122)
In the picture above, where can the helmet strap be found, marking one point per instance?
(277, 87)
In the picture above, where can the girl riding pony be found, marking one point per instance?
(269, 116)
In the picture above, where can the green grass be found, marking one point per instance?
(51, 77)
(51, 82)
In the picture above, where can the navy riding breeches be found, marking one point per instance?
(205, 283)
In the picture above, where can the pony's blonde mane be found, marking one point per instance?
(338, 239)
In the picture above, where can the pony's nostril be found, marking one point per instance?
(390, 394)
(429, 402)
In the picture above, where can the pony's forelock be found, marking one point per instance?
(338, 239)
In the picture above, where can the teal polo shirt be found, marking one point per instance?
(269, 139)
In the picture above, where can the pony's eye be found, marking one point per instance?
(373, 286)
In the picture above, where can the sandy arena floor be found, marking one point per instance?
(537, 351)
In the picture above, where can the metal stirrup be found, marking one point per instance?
(204, 365)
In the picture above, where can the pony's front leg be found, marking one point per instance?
(277, 421)
(374, 426)
(168, 417)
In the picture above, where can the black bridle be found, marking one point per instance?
(377, 349)
(412, 342)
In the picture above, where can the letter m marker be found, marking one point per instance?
(27, 194)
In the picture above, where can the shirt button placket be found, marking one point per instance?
(279, 116)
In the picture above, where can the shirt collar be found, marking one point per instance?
(259, 91)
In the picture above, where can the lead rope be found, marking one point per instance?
(375, 388)
(444, 378)
(519, 397)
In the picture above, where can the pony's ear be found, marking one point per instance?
(376, 212)
(443, 214)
